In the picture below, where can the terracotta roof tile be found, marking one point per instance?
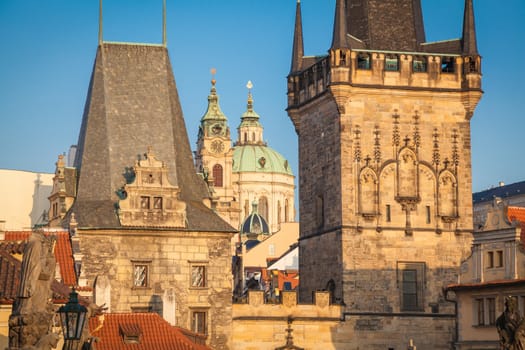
(516, 213)
(154, 333)
(9, 272)
(63, 252)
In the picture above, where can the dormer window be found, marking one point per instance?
(130, 332)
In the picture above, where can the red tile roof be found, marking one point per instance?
(9, 275)
(63, 252)
(516, 213)
(154, 333)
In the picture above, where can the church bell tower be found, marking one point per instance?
(383, 122)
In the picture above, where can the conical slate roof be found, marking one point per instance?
(395, 25)
(133, 104)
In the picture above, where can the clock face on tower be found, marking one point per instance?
(217, 146)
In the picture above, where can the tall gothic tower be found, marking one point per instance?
(143, 230)
(385, 168)
(214, 159)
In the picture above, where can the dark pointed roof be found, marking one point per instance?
(340, 27)
(395, 25)
(133, 104)
(298, 46)
(468, 40)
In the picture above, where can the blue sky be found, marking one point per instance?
(48, 50)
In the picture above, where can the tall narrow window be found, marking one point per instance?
(319, 211)
(411, 282)
(480, 306)
(217, 175)
(491, 304)
(428, 214)
(246, 208)
(388, 216)
(286, 218)
(198, 322)
(499, 258)
(278, 212)
(198, 276)
(490, 260)
(263, 207)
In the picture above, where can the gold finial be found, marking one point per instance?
(249, 85)
(213, 71)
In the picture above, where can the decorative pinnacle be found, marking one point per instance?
(249, 85)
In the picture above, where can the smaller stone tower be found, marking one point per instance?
(214, 156)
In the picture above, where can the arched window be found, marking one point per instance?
(245, 137)
(217, 175)
(286, 218)
(253, 136)
(263, 207)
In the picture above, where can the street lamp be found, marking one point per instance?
(73, 317)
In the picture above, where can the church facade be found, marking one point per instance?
(244, 172)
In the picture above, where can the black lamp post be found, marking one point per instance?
(73, 317)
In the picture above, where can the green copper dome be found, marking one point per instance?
(259, 158)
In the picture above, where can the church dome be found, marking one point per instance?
(259, 158)
(254, 224)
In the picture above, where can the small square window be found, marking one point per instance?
(198, 276)
(140, 275)
(144, 202)
(157, 203)
(419, 65)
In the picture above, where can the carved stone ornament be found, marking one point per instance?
(150, 199)
(33, 311)
(511, 326)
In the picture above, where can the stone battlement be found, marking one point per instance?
(384, 69)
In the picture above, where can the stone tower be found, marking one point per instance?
(214, 159)
(383, 122)
(141, 221)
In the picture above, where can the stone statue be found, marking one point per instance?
(511, 326)
(33, 311)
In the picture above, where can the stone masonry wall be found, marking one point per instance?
(169, 256)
